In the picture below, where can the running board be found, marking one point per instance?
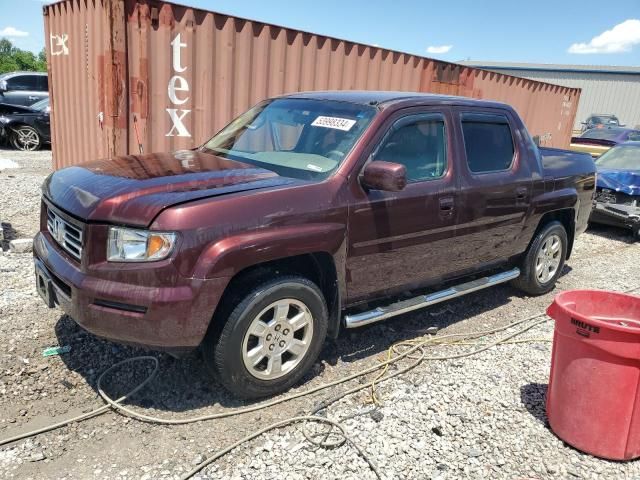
(404, 306)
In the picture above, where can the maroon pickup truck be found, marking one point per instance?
(287, 225)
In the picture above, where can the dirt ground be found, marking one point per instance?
(481, 417)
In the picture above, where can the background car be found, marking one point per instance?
(598, 140)
(26, 128)
(23, 88)
(618, 188)
(600, 121)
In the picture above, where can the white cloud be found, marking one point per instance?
(439, 48)
(619, 39)
(13, 32)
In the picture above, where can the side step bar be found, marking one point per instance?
(404, 306)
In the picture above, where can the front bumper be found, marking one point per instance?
(626, 216)
(172, 318)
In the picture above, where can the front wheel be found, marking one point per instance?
(544, 260)
(26, 138)
(271, 338)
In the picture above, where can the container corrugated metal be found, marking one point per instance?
(127, 75)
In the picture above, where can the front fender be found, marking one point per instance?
(228, 256)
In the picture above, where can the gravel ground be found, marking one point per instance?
(476, 417)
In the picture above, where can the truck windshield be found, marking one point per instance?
(293, 137)
(622, 157)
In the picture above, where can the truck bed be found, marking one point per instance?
(558, 163)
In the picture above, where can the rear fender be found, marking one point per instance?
(556, 200)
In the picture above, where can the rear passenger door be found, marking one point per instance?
(402, 239)
(495, 188)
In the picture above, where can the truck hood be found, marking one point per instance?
(134, 189)
(625, 181)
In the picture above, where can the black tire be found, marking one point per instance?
(223, 351)
(528, 280)
(25, 138)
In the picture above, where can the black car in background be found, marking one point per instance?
(23, 88)
(26, 128)
(597, 120)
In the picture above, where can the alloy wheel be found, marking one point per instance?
(548, 259)
(277, 339)
(26, 138)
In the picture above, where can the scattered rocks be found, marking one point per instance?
(474, 452)
(21, 245)
(377, 416)
(37, 457)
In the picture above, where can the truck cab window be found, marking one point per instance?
(419, 146)
(488, 142)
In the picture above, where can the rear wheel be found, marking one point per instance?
(25, 138)
(271, 338)
(544, 260)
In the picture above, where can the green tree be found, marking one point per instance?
(13, 58)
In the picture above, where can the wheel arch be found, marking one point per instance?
(567, 217)
(319, 267)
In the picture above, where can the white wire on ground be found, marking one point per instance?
(412, 346)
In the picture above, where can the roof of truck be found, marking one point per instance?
(384, 98)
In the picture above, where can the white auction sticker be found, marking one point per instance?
(334, 122)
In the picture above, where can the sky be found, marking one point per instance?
(591, 32)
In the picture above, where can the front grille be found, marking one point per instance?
(68, 236)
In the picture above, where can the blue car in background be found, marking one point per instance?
(617, 200)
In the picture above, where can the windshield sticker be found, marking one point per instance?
(338, 123)
(315, 168)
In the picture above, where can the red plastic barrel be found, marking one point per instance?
(593, 401)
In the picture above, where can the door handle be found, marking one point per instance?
(521, 193)
(446, 206)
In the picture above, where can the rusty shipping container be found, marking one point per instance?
(127, 75)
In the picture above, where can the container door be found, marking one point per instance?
(401, 239)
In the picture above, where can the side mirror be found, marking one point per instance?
(387, 176)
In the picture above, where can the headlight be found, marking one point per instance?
(131, 245)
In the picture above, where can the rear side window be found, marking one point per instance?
(488, 142)
(418, 143)
(23, 82)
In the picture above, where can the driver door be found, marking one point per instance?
(401, 240)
